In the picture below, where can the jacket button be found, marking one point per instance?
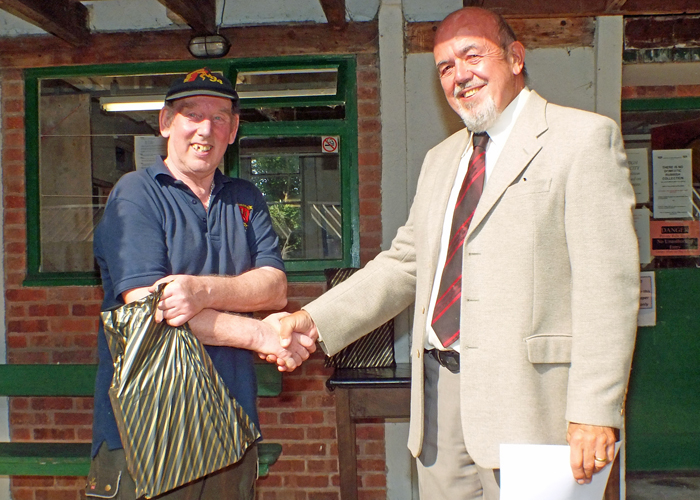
(418, 353)
(422, 310)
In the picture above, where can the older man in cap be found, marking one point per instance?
(210, 237)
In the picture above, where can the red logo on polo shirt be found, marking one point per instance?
(245, 213)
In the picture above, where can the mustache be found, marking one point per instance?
(473, 83)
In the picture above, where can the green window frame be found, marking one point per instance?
(344, 127)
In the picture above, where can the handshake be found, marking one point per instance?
(292, 340)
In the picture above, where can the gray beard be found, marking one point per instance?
(480, 119)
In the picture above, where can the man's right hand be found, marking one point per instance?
(298, 322)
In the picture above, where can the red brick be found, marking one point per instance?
(374, 480)
(22, 493)
(86, 340)
(86, 356)
(370, 174)
(322, 465)
(370, 431)
(688, 90)
(51, 341)
(369, 158)
(303, 384)
(14, 279)
(277, 433)
(86, 309)
(16, 342)
(324, 495)
(72, 418)
(12, 88)
(56, 494)
(28, 325)
(320, 432)
(366, 92)
(75, 293)
(13, 169)
(28, 357)
(13, 154)
(370, 224)
(15, 247)
(368, 108)
(268, 418)
(54, 434)
(16, 122)
(77, 325)
(368, 76)
(304, 449)
(369, 125)
(290, 465)
(302, 417)
(306, 481)
(52, 403)
(14, 106)
(26, 295)
(34, 481)
(48, 310)
(20, 435)
(15, 217)
(29, 418)
(16, 262)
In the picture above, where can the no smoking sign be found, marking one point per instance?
(330, 144)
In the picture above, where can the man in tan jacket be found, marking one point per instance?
(547, 302)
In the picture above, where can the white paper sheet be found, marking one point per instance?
(543, 472)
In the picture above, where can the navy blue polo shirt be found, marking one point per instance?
(154, 226)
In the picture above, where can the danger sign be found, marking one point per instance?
(330, 144)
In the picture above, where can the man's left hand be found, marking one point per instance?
(183, 297)
(592, 448)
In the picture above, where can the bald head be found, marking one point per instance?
(480, 63)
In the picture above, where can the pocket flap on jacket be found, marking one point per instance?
(549, 348)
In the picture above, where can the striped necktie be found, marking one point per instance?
(447, 306)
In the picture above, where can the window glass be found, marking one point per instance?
(662, 139)
(300, 180)
(88, 126)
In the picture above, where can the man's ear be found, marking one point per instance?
(234, 128)
(164, 122)
(517, 57)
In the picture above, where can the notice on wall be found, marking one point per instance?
(147, 149)
(675, 238)
(638, 160)
(641, 219)
(647, 299)
(673, 183)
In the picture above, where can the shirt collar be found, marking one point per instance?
(500, 130)
(159, 168)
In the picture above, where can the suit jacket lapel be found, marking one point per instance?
(520, 148)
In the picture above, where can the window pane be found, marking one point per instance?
(83, 151)
(301, 183)
(287, 83)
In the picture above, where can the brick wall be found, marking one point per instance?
(59, 325)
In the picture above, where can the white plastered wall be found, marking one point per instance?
(583, 77)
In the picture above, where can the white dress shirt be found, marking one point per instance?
(498, 134)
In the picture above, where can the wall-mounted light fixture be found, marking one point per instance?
(132, 103)
(206, 46)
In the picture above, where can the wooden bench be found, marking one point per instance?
(73, 380)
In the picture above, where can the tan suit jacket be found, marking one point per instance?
(550, 283)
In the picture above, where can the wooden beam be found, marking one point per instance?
(662, 32)
(199, 15)
(533, 33)
(585, 8)
(335, 13)
(171, 45)
(66, 19)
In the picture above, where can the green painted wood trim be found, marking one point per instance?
(661, 104)
(44, 459)
(73, 459)
(79, 380)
